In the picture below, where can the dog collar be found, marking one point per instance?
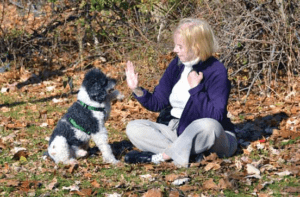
(72, 121)
(90, 107)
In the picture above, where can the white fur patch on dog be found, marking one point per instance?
(81, 135)
(83, 96)
(59, 150)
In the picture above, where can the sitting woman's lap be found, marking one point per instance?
(201, 135)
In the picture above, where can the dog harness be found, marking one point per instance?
(73, 122)
(90, 107)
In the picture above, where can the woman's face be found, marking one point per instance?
(185, 54)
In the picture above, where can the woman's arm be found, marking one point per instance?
(159, 99)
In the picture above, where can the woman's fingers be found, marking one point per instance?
(131, 77)
(195, 78)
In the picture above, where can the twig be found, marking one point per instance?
(255, 40)
(252, 83)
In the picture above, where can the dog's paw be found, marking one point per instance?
(72, 162)
(111, 160)
(120, 97)
(81, 153)
(116, 162)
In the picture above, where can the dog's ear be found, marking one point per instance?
(97, 92)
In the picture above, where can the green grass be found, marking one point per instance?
(289, 142)
(286, 181)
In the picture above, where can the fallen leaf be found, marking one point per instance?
(148, 167)
(25, 186)
(23, 159)
(252, 170)
(3, 89)
(174, 194)
(262, 195)
(53, 184)
(2, 145)
(238, 164)
(44, 124)
(153, 193)
(180, 181)
(171, 177)
(284, 173)
(213, 166)
(83, 192)
(186, 188)
(113, 195)
(5, 109)
(17, 125)
(72, 168)
(19, 152)
(148, 177)
(88, 175)
(292, 189)
(13, 183)
(195, 164)
(224, 184)
(6, 167)
(209, 184)
(71, 188)
(50, 122)
(55, 100)
(9, 138)
(50, 88)
(95, 184)
(211, 157)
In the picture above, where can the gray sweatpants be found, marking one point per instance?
(201, 135)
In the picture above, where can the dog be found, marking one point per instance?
(85, 120)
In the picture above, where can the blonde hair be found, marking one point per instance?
(198, 36)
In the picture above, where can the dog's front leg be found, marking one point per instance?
(101, 141)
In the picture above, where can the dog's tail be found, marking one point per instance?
(46, 154)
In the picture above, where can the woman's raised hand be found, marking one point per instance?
(194, 78)
(131, 77)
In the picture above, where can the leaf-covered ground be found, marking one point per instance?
(267, 162)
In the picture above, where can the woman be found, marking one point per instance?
(196, 86)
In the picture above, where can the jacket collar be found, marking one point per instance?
(202, 65)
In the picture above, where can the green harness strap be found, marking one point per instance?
(72, 121)
(90, 107)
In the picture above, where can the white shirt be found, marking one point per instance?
(180, 92)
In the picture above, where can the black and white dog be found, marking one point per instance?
(85, 120)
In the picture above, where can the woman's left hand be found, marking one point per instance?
(194, 78)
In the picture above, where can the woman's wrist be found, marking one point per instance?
(138, 91)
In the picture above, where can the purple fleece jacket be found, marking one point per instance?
(208, 99)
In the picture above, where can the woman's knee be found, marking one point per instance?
(208, 126)
(135, 127)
